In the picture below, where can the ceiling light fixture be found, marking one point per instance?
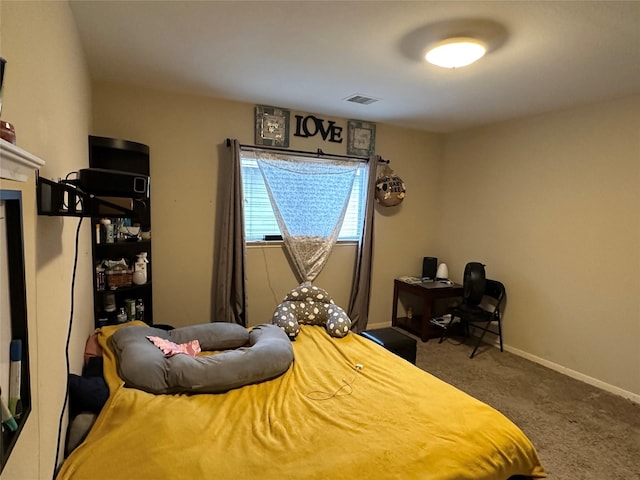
(456, 52)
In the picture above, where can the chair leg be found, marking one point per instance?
(444, 335)
(484, 331)
(446, 329)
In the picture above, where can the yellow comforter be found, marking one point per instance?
(393, 421)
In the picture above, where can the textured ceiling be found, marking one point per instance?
(311, 55)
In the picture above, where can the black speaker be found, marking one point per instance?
(429, 267)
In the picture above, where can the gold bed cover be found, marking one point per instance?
(396, 422)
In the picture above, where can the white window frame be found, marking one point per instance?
(260, 221)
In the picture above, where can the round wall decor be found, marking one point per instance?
(390, 189)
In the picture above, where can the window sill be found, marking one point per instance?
(278, 243)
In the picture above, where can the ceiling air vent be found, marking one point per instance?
(361, 99)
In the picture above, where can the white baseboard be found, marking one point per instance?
(634, 397)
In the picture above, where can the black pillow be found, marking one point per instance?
(86, 394)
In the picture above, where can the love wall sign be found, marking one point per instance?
(310, 126)
(361, 137)
(272, 128)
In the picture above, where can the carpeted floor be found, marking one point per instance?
(580, 431)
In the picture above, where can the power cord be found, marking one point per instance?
(66, 350)
(72, 182)
(318, 395)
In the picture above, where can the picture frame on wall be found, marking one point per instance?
(361, 138)
(272, 126)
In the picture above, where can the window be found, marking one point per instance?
(259, 219)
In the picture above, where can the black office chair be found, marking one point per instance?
(481, 305)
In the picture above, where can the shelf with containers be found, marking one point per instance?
(119, 238)
(123, 276)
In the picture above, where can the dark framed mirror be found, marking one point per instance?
(14, 344)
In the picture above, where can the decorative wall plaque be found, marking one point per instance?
(390, 189)
(361, 138)
(272, 126)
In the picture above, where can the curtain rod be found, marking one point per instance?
(317, 153)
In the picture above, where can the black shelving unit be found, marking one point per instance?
(130, 157)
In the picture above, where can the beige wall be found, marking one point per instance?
(186, 136)
(551, 204)
(47, 98)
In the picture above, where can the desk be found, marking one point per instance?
(429, 293)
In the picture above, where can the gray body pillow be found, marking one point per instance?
(261, 354)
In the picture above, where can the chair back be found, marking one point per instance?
(494, 289)
(493, 295)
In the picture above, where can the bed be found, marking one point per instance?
(322, 419)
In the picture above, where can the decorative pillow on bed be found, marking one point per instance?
(310, 305)
(170, 348)
(247, 357)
